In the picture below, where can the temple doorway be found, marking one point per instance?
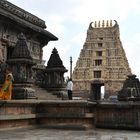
(97, 90)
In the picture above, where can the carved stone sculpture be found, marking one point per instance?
(54, 77)
(21, 64)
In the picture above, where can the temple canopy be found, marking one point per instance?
(21, 49)
(55, 60)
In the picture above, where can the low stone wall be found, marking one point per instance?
(70, 114)
(52, 114)
(121, 115)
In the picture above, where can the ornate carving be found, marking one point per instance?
(22, 13)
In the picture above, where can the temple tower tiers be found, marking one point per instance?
(54, 74)
(102, 61)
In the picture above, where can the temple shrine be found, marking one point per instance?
(54, 74)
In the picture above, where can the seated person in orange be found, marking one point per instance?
(6, 91)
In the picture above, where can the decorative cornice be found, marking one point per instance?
(15, 10)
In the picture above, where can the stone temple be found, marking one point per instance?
(102, 62)
(22, 39)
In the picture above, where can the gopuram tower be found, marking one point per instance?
(102, 62)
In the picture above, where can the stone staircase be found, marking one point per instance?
(43, 94)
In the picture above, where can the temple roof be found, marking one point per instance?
(24, 18)
(55, 61)
(21, 49)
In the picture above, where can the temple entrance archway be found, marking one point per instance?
(96, 93)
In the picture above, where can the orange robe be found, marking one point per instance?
(6, 91)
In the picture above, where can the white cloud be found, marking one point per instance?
(57, 29)
(79, 39)
(89, 10)
(136, 38)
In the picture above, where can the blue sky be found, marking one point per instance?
(69, 21)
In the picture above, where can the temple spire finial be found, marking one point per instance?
(103, 24)
(95, 25)
(99, 24)
(107, 23)
(110, 23)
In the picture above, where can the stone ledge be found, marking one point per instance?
(48, 115)
(49, 102)
(118, 104)
(17, 117)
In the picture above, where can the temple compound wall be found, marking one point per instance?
(102, 61)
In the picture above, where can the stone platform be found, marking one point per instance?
(70, 114)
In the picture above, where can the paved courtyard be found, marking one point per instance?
(52, 134)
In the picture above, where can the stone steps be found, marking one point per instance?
(43, 94)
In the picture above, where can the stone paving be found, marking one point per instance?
(53, 134)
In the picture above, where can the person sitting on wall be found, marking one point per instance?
(70, 88)
(6, 90)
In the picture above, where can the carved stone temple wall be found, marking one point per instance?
(102, 61)
(14, 21)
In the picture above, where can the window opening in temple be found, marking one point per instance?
(100, 44)
(97, 74)
(98, 53)
(98, 62)
(101, 38)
